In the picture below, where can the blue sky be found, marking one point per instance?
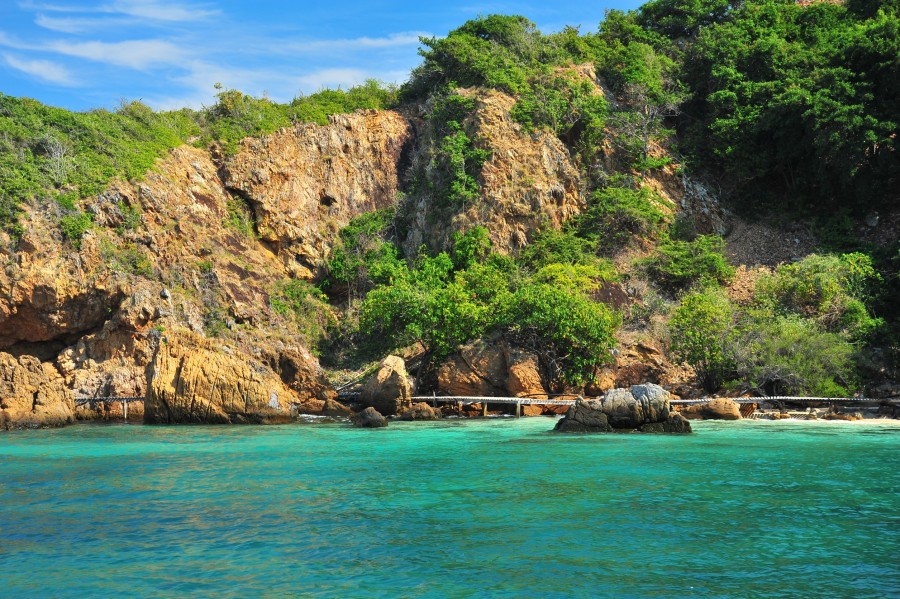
(83, 54)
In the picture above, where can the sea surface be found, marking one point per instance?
(460, 508)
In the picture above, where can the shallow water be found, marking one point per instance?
(488, 508)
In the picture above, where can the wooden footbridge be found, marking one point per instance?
(569, 399)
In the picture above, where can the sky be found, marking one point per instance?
(83, 54)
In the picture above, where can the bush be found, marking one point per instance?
(680, 264)
(830, 289)
(572, 334)
(74, 225)
(615, 215)
(792, 355)
(702, 333)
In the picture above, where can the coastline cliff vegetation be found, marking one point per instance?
(780, 111)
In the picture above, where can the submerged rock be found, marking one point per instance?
(643, 408)
(369, 418)
(720, 408)
(420, 411)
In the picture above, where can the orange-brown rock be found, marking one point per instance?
(32, 394)
(491, 368)
(308, 181)
(720, 408)
(389, 390)
(194, 380)
(420, 411)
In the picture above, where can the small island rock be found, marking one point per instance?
(369, 418)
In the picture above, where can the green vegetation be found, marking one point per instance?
(801, 334)
(236, 115)
(679, 264)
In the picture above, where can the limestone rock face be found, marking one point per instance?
(369, 418)
(529, 182)
(308, 181)
(720, 408)
(195, 381)
(420, 411)
(32, 394)
(643, 408)
(389, 391)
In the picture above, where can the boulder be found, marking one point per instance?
(420, 411)
(643, 408)
(369, 418)
(389, 391)
(631, 408)
(586, 416)
(720, 408)
(334, 408)
(33, 394)
(195, 381)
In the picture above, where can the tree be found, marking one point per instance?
(702, 332)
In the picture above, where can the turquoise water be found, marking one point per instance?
(477, 508)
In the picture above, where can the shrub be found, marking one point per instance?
(702, 331)
(615, 215)
(74, 225)
(792, 355)
(830, 289)
(680, 264)
(572, 334)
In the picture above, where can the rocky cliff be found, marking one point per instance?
(202, 243)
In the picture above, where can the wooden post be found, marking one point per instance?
(484, 409)
(125, 407)
(459, 408)
(518, 409)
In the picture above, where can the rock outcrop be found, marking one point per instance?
(194, 381)
(529, 182)
(720, 408)
(308, 181)
(389, 390)
(33, 394)
(420, 411)
(486, 368)
(643, 408)
(369, 418)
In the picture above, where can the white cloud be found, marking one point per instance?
(161, 11)
(134, 54)
(76, 25)
(42, 69)
(360, 43)
(155, 10)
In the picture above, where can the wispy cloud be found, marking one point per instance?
(44, 70)
(135, 54)
(361, 43)
(75, 25)
(156, 10)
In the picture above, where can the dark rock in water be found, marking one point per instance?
(676, 423)
(420, 411)
(369, 418)
(720, 408)
(643, 408)
(586, 416)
